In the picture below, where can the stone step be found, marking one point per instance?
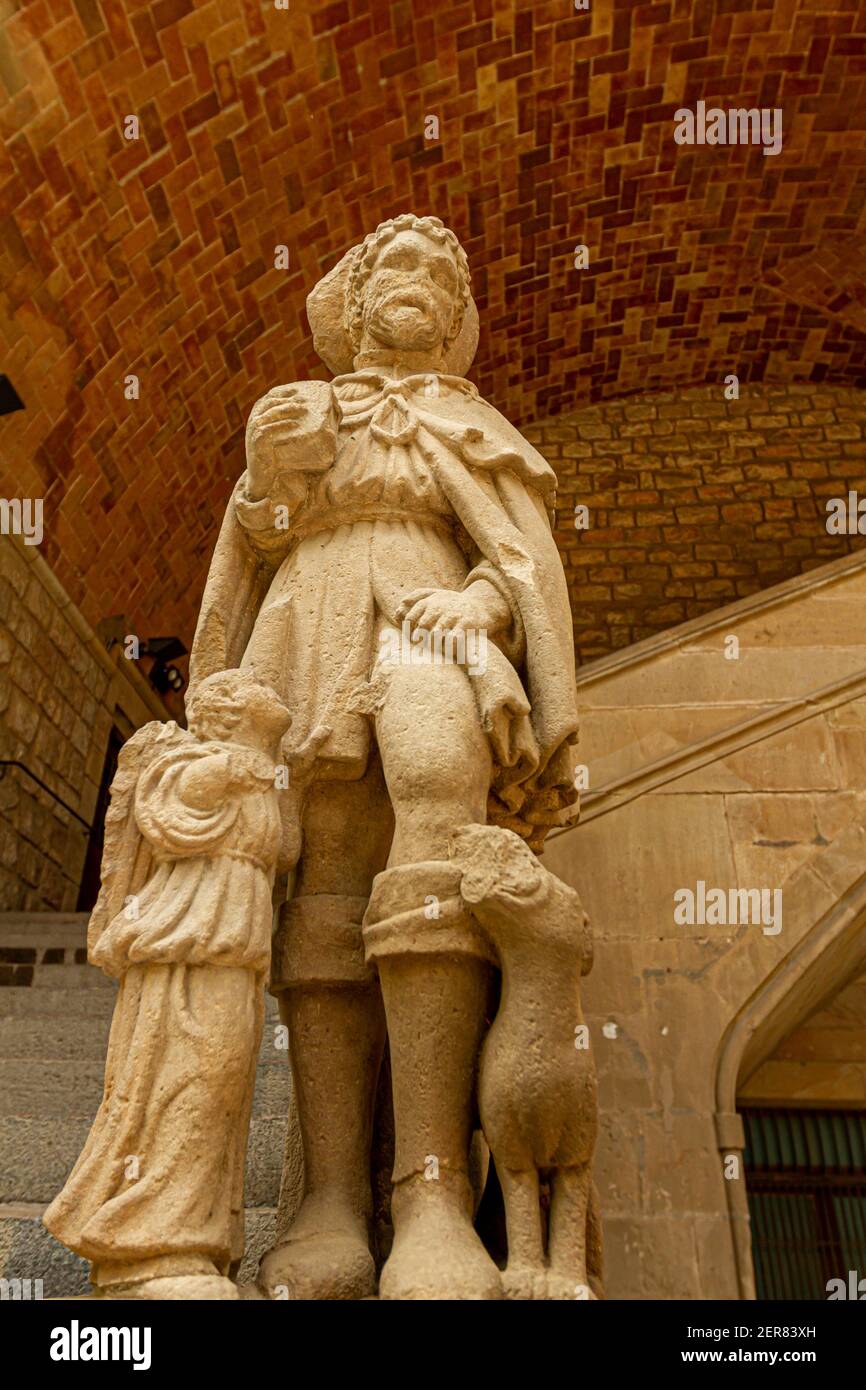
(62, 935)
(19, 951)
(37, 1154)
(40, 1088)
(36, 922)
(57, 1002)
(58, 975)
(32, 942)
(67, 1037)
(27, 1251)
(69, 938)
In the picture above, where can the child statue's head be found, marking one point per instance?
(230, 704)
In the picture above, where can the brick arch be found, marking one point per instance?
(262, 127)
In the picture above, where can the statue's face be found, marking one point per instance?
(412, 295)
(263, 713)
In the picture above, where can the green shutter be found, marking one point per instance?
(806, 1186)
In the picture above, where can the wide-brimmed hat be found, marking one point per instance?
(326, 311)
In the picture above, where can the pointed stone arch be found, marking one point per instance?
(828, 949)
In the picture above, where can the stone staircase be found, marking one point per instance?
(55, 1014)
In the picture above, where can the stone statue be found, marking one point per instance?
(183, 920)
(402, 527)
(386, 575)
(537, 1089)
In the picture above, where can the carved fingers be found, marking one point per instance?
(293, 427)
(442, 609)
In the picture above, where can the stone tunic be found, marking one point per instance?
(372, 528)
(430, 488)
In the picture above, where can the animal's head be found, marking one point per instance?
(498, 870)
(507, 889)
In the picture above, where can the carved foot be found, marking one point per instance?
(524, 1283)
(437, 1254)
(325, 1256)
(528, 1282)
(331, 1265)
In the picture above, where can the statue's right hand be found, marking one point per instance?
(292, 429)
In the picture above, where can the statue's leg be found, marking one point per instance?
(237, 1152)
(524, 1277)
(330, 1001)
(567, 1276)
(434, 971)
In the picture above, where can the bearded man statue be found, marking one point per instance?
(397, 530)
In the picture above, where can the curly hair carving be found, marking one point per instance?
(368, 251)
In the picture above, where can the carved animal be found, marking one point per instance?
(537, 1086)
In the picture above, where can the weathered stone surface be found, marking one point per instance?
(183, 921)
(537, 1081)
(59, 698)
(785, 813)
(386, 573)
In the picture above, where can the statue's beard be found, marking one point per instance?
(396, 324)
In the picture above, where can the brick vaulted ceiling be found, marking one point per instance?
(306, 126)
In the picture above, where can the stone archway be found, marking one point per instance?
(823, 960)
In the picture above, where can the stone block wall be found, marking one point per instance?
(60, 692)
(822, 1063)
(740, 766)
(695, 501)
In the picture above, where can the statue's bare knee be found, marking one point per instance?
(435, 756)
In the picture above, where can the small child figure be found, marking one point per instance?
(183, 920)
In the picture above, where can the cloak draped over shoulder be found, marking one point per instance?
(441, 490)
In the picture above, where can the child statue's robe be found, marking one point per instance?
(161, 1173)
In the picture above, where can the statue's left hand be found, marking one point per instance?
(480, 608)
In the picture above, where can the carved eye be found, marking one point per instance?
(443, 274)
